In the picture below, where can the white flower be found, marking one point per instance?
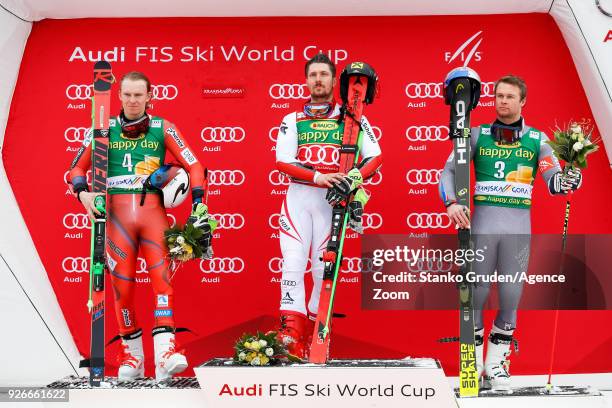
(587, 142)
(180, 240)
(575, 129)
(578, 146)
(255, 361)
(269, 351)
(263, 343)
(241, 356)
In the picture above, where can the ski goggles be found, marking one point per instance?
(134, 128)
(319, 110)
(505, 134)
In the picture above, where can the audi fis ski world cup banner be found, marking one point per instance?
(226, 84)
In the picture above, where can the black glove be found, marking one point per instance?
(570, 179)
(342, 190)
(356, 216)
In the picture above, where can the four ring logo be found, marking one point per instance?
(84, 92)
(435, 89)
(274, 221)
(222, 265)
(77, 134)
(427, 133)
(141, 265)
(76, 221)
(288, 91)
(229, 221)
(226, 177)
(275, 265)
(276, 178)
(428, 220)
(327, 155)
(375, 180)
(223, 134)
(372, 220)
(77, 264)
(423, 176)
(68, 172)
(430, 265)
(356, 265)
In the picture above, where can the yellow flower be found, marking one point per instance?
(264, 360)
(249, 358)
(255, 346)
(187, 248)
(247, 344)
(580, 137)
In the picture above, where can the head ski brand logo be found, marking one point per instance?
(222, 134)
(222, 265)
(462, 54)
(288, 91)
(225, 177)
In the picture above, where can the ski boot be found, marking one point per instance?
(131, 357)
(293, 332)
(497, 366)
(168, 361)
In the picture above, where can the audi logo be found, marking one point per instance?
(429, 265)
(77, 134)
(222, 265)
(328, 155)
(423, 176)
(225, 177)
(80, 264)
(435, 89)
(372, 221)
(274, 221)
(229, 221)
(223, 134)
(428, 220)
(68, 172)
(76, 221)
(375, 180)
(275, 265)
(288, 91)
(357, 265)
(427, 133)
(273, 133)
(276, 178)
(75, 264)
(83, 92)
(171, 220)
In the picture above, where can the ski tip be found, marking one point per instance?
(89, 305)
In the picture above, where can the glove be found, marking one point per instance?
(341, 191)
(356, 207)
(200, 219)
(570, 179)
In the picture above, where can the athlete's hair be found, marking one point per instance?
(323, 59)
(513, 80)
(136, 76)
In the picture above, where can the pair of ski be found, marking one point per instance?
(357, 88)
(102, 81)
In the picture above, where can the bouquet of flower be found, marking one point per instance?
(261, 350)
(573, 143)
(183, 243)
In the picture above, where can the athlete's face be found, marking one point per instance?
(134, 97)
(320, 82)
(508, 102)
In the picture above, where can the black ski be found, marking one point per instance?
(462, 86)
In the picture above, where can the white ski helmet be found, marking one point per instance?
(172, 181)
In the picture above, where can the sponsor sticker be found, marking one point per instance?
(163, 313)
(156, 123)
(179, 142)
(162, 300)
(188, 156)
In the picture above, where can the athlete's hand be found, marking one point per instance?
(329, 179)
(459, 215)
(87, 199)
